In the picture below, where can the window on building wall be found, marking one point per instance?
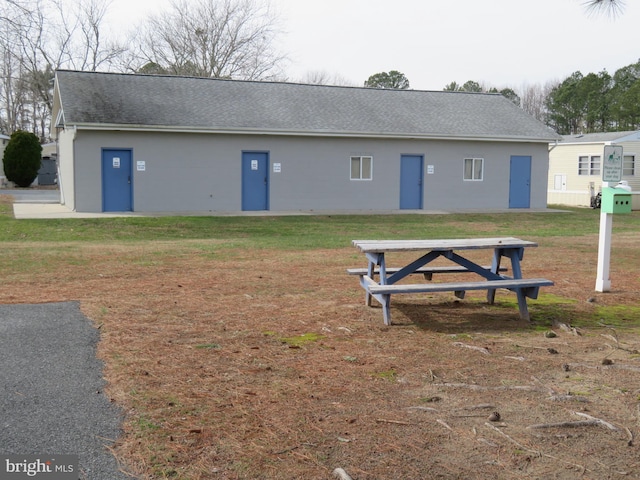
(629, 165)
(361, 167)
(473, 169)
(589, 165)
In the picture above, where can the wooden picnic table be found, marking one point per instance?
(429, 250)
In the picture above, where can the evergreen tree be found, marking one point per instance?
(392, 80)
(566, 105)
(22, 158)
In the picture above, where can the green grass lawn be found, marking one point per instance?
(307, 232)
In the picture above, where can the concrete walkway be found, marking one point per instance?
(55, 210)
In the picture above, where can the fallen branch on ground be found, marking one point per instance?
(574, 424)
(535, 452)
(425, 409)
(444, 424)
(568, 398)
(472, 347)
(520, 359)
(481, 406)
(590, 422)
(396, 422)
(527, 388)
(610, 426)
(540, 348)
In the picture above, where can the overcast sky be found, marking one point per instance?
(498, 43)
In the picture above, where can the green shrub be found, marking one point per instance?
(22, 157)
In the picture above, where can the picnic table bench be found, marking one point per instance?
(429, 250)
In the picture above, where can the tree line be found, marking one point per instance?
(595, 102)
(235, 39)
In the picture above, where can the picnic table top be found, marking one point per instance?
(380, 246)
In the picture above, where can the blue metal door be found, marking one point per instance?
(116, 181)
(411, 173)
(520, 182)
(255, 181)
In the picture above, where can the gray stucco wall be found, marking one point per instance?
(202, 172)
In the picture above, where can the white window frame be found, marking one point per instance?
(629, 165)
(361, 172)
(589, 166)
(474, 169)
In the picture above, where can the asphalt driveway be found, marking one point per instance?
(51, 399)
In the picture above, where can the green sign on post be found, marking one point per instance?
(612, 163)
(614, 200)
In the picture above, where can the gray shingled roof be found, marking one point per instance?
(602, 137)
(137, 101)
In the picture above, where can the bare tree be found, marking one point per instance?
(14, 21)
(92, 50)
(36, 38)
(534, 99)
(10, 95)
(321, 77)
(212, 38)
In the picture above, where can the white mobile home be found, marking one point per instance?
(575, 163)
(149, 143)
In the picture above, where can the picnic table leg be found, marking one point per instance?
(367, 295)
(373, 260)
(495, 268)
(386, 308)
(386, 299)
(522, 304)
(516, 255)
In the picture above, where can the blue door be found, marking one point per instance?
(520, 182)
(116, 181)
(255, 181)
(411, 182)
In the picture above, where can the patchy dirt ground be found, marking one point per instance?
(232, 364)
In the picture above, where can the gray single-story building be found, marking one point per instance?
(151, 143)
